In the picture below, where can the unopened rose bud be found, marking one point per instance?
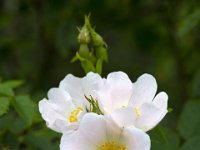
(84, 36)
(97, 39)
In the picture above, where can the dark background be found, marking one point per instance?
(38, 38)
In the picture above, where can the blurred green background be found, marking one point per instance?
(39, 38)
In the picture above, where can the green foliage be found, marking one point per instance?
(43, 139)
(19, 117)
(189, 121)
(6, 90)
(26, 108)
(4, 105)
(192, 144)
(189, 22)
(173, 140)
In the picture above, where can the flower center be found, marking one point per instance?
(73, 117)
(112, 146)
(123, 106)
(137, 111)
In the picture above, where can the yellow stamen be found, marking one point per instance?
(137, 111)
(73, 117)
(123, 106)
(111, 146)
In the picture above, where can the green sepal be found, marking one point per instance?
(84, 51)
(86, 64)
(101, 52)
(94, 105)
(99, 66)
(96, 38)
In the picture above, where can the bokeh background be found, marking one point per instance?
(39, 38)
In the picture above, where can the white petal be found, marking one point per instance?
(72, 85)
(75, 141)
(91, 83)
(96, 130)
(136, 139)
(161, 100)
(150, 116)
(78, 87)
(93, 128)
(91, 132)
(65, 127)
(144, 90)
(50, 113)
(116, 92)
(56, 110)
(113, 130)
(124, 117)
(59, 97)
(105, 101)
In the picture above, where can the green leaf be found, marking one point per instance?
(42, 139)
(99, 66)
(26, 108)
(6, 90)
(189, 121)
(4, 105)
(18, 126)
(173, 140)
(195, 85)
(11, 140)
(5, 123)
(189, 22)
(13, 83)
(192, 144)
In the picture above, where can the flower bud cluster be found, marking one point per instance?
(92, 51)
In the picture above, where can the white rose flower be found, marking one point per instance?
(133, 103)
(97, 132)
(66, 105)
